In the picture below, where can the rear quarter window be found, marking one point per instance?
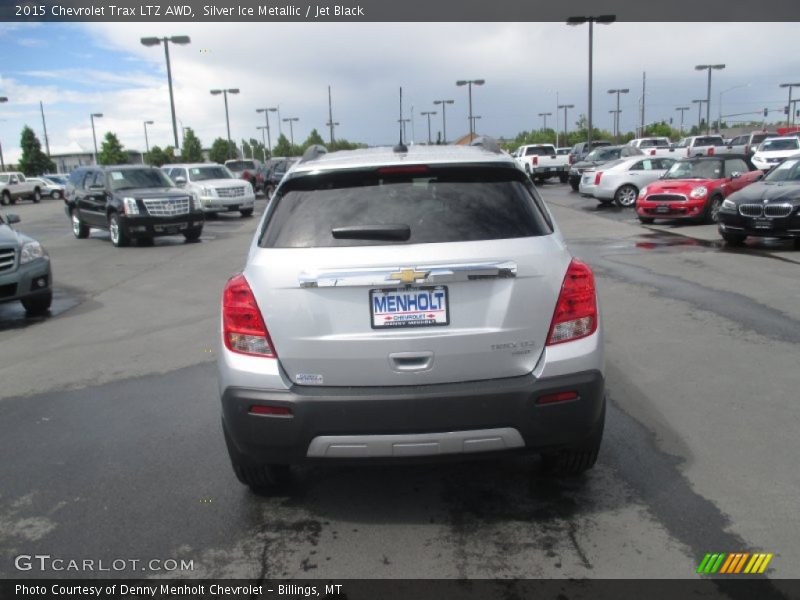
(441, 205)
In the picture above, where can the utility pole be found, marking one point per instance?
(330, 122)
(44, 126)
(682, 109)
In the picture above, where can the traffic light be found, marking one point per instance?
(766, 112)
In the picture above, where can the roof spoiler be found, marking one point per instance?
(313, 152)
(487, 143)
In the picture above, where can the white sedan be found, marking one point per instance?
(774, 150)
(620, 180)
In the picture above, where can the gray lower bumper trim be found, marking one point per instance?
(423, 444)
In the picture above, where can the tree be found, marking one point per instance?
(33, 161)
(343, 144)
(283, 147)
(111, 152)
(313, 138)
(221, 150)
(192, 150)
(156, 157)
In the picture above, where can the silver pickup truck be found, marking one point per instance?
(14, 186)
(661, 147)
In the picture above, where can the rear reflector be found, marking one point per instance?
(652, 152)
(575, 316)
(409, 170)
(597, 177)
(535, 161)
(272, 411)
(243, 329)
(711, 151)
(557, 397)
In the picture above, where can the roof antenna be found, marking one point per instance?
(401, 147)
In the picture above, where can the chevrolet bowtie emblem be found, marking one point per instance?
(408, 275)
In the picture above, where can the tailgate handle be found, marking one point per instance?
(411, 361)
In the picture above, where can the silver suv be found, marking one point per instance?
(405, 303)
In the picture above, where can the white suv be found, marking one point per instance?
(214, 187)
(404, 303)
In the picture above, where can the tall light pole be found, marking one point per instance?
(403, 125)
(266, 112)
(545, 115)
(616, 112)
(291, 121)
(428, 114)
(263, 141)
(146, 141)
(708, 68)
(331, 124)
(602, 20)
(2, 162)
(719, 106)
(475, 123)
(789, 109)
(227, 120)
(565, 107)
(683, 109)
(175, 39)
(614, 120)
(699, 103)
(469, 83)
(92, 117)
(444, 104)
(44, 127)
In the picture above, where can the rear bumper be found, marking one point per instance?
(217, 204)
(420, 421)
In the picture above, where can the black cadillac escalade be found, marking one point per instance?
(131, 202)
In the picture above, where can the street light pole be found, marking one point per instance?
(263, 142)
(330, 122)
(682, 109)
(469, 83)
(227, 119)
(146, 141)
(699, 112)
(565, 107)
(545, 115)
(94, 137)
(616, 113)
(602, 20)
(709, 68)
(44, 126)
(266, 112)
(291, 121)
(789, 108)
(428, 114)
(444, 104)
(2, 162)
(175, 39)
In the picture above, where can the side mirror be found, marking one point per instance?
(180, 181)
(736, 175)
(12, 219)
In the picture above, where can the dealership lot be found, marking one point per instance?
(109, 422)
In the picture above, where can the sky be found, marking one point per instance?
(76, 69)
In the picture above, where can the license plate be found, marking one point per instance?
(551, 169)
(170, 228)
(413, 307)
(662, 208)
(233, 207)
(762, 224)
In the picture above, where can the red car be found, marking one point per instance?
(694, 188)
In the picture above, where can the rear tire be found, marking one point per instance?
(733, 239)
(37, 196)
(625, 196)
(56, 195)
(262, 479)
(574, 186)
(246, 212)
(5, 199)
(38, 305)
(563, 177)
(79, 229)
(193, 235)
(574, 461)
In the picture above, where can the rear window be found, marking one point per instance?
(439, 205)
(708, 141)
(760, 137)
(776, 145)
(240, 165)
(539, 151)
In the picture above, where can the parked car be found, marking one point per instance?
(597, 157)
(25, 273)
(278, 168)
(541, 162)
(48, 187)
(131, 202)
(214, 187)
(700, 145)
(14, 186)
(657, 146)
(694, 188)
(581, 150)
(767, 208)
(566, 151)
(244, 169)
(57, 178)
(364, 328)
(620, 180)
(748, 142)
(774, 150)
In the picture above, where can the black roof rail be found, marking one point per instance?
(487, 143)
(313, 152)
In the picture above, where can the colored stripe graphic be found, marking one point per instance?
(734, 563)
(753, 561)
(765, 563)
(727, 566)
(703, 563)
(741, 563)
(717, 564)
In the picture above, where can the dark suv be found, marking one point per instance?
(131, 202)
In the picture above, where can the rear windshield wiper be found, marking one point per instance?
(393, 232)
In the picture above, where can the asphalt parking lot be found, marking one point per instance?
(109, 424)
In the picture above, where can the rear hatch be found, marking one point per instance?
(384, 277)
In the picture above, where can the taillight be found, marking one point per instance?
(245, 175)
(711, 151)
(243, 328)
(597, 177)
(535, 161)
(576, 310)
(747, 149)
(652, 152)
(570, 158)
